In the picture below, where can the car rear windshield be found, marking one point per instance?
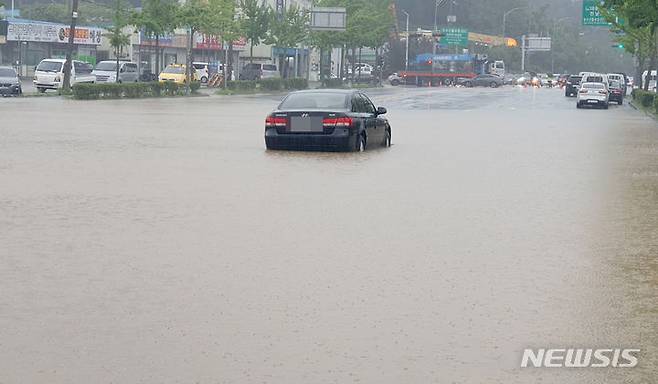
(269, 67)
(575, 79)
(594, 79)
(106, 66)
(252, 66)
(49, 66)
(593, 86)
(310, 100)
(175, 70)
(7, 72)
(615, 84)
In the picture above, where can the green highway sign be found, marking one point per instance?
(591, 14)
(454, 36)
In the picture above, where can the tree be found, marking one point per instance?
(254, 22)
(119, 39)
(157, 18)
(288, 29)
(220, 21)
(193, 15)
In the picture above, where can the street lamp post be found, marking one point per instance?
(555, 25)
(406, 50)
(507, 14)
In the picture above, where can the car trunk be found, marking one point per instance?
(309, 122)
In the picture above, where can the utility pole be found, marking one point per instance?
(69, 51)
(507, 14)
(406, 51)
(523, 53)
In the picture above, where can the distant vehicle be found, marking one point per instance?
(492, 81)
(175, 73)
(334, 120)
(651, 80)
(49, 74)
(621, 78)
(572, 86)
(10, 84)
(106, 72)
(544, 80)
(593, 94)
(395, 79)
(592, 77)
(616, 92)
(257, 71)
(362, 71)
(497, 68)
(429, 68)
(562, 80)
(201, 71)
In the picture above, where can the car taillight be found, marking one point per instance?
(337, 122)
(603, 92)
(273, 121)
(583, 91)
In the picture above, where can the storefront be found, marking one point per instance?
(29, 41)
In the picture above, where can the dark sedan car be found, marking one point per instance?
(572, 85)
(10, 84)
(332, 120)
(492, 81)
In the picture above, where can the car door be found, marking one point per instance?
(380, 120)
(374, 131)
(479, 80)
(359, 109)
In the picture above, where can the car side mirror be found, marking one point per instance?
(381, 111)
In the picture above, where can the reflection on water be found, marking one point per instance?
(160, 244)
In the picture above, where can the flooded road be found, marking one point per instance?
(156, 241)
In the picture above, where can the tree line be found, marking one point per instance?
(636, 25)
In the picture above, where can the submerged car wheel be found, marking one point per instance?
(387, 138)
(395, 82)
(493, 84)
(360, 143)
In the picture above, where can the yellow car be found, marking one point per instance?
(175, 73)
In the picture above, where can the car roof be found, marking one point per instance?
(328, 90)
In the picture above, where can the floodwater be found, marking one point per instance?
(156, 241)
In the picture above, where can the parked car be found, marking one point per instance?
(175, 73)
(10, 84)
(572, 86)
(201, 71)
(593, 94)
(257, 71)
(361, 71)
(332, 119)
(49, 74)
(487, 80)
(616, 92)
(106, 72)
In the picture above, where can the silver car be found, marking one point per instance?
(10, 84)
(594, 94)
(106, 72)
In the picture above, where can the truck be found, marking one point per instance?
(445, 69)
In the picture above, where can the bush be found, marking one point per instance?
(296, 83)
(332, 83)
(195, 86)
(129, 90)
(645, 98)
(655, 105)
(241, 85)
(271, 84)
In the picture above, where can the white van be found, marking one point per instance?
(201, 71)
(49, 74)
(106, 72)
